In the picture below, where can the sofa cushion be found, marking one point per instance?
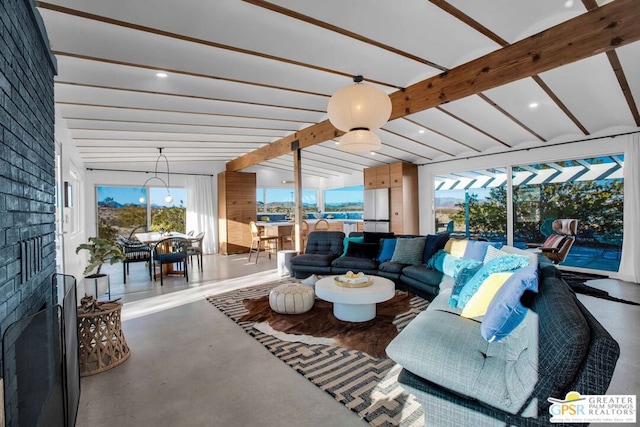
(325, 242)
(447, 349)
(426, 275)
(387, 246)
(479, 302)
(392, 267)
(498, 265)
(347, 240)
(362, 250)
(433, 243)
(456, 247)
(317, 260)
(409, 250)
(506, 311)
(355, 264)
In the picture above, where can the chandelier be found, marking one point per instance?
(168, 198)
(358, 110)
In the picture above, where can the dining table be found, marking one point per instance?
(151, 238)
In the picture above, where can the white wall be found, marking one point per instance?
(577, 150)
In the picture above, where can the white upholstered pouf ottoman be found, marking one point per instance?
(291, 298)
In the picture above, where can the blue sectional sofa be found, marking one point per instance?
(462, 378)
(503, 332)
(326, 254)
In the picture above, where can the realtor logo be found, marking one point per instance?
(575, 408)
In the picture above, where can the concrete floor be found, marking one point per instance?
(192, 366)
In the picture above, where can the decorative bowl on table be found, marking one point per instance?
(353, 280)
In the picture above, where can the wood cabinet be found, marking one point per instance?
(236, 208)
(376, 177)
(404, 198)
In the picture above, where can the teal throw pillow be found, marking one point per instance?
(446, 263)
(498, 265)
(409, 250)
(461, 279)
(345, 243)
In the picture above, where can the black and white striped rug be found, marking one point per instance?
(366, 385)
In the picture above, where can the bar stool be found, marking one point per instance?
(257, 239)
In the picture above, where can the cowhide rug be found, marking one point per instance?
(371, 337)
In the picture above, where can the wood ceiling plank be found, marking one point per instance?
(595, 32)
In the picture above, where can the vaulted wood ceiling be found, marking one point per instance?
(256, 75)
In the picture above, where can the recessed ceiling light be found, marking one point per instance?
(568, 3)
(161, 74)
(373, 153)
(533, 105)
(337, 142)
(421, 131)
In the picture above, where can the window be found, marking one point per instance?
(282, 200)
(589, 190)
(345, 199)
(472, 204)
(121, 210)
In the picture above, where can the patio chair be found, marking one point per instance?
(196, 249)
(257, 239)
(172, 250)
(557, 245)
(134, 251)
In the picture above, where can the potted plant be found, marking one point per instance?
(100, 251)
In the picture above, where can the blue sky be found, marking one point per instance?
(131, 195)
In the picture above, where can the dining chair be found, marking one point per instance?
(257, 239)
(171, 250)
(195, 248)
(321, 225)
(304, 235)
(134, 251)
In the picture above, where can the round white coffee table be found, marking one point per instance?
(355, 304)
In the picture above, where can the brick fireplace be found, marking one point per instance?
(27, 186)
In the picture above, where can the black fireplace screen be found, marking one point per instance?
(41, 369)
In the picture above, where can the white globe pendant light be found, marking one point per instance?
(360, 108)
(360, 140)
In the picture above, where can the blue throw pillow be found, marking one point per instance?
(346, 241)
(387, 246)
(497, 265)
(464, 275)
(433, 243)
(476, 250)
(506, 311)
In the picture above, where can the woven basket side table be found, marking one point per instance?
(100, 339)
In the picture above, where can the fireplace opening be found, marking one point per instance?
(40, 370)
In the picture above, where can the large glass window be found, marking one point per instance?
(472, 204)
(345, 199)
(589, 190)
(282, 200)
(121, 210)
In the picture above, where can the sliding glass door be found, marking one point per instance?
(474, 204)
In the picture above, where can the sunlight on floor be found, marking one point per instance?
(135, 309)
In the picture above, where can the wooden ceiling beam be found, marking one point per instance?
(598, 31)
